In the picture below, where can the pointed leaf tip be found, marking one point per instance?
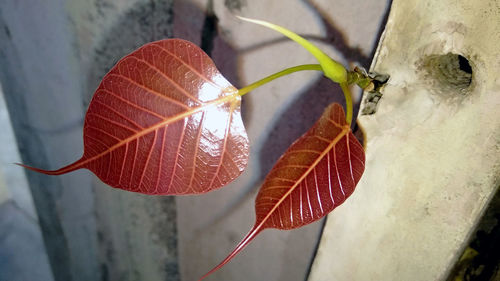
(57, 172)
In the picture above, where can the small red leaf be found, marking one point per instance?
(164, 121)
(315, 175)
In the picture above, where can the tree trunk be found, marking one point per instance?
(432, 146)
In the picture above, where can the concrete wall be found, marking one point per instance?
(22, 251)
(52, 56)
(274, 115)
(42, 91)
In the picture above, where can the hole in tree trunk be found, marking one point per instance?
(464, 64)
(452, 72)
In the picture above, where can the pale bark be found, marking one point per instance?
(432, 147)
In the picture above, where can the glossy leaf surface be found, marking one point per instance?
(164, 121)
(315, 175)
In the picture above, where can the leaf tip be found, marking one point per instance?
(66, 169)
(34, 169)
(243, 243)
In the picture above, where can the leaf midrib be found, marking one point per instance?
(169, 120)
(345, 130)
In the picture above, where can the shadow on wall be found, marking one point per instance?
(137, 234)
(301, 114)
(143, 23)
(333, 36)
(191, 23)
(308, 107)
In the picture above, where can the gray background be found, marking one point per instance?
(73, 227)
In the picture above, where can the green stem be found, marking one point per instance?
(348, 102)
(284, 72)
(332, 69)
(344, 86)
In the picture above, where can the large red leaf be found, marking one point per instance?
(164, 121)
(314, 176)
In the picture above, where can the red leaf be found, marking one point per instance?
(314, 176)
(164, 121)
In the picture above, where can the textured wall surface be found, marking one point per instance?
(22, 251)
(42, 91)
(433, 147)
(52, 57)
(211, 225)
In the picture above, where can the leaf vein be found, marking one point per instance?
(147, 89)
(172, 81)
(190, 67)
(195, 154)
(148, 159)
(112, 122)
